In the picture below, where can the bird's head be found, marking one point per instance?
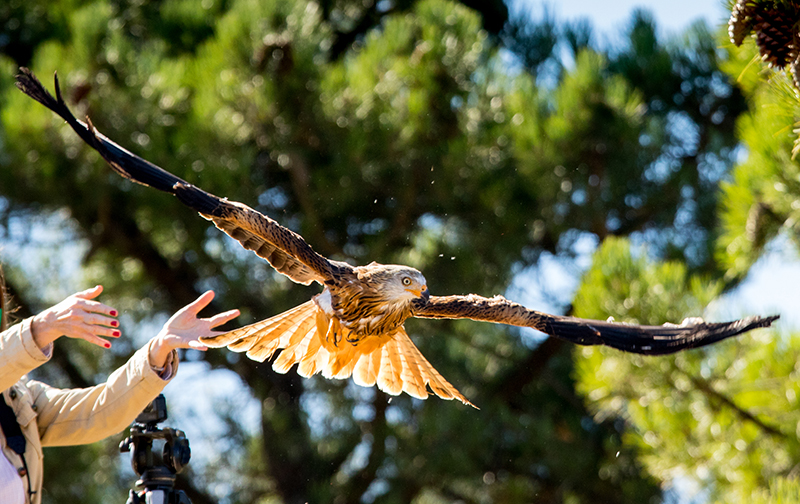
(405, 284)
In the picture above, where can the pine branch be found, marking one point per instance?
(713, 394)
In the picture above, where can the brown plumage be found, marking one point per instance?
(354, 327)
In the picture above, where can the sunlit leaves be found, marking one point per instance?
(761, 199)
(725, 415)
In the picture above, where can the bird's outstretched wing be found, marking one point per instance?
(285, 250)
(648, 340)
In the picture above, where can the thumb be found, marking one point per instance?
(201, 302)
(90, 293)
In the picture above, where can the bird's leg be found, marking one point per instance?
(324, 324)
(353, 338)
(334, 332)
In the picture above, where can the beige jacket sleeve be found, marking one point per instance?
(81, 416)
(19, 355)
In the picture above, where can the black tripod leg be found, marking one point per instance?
(133, 498)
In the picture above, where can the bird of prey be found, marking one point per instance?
(354, 327)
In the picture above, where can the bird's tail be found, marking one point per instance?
(648, 340)
(122, 161)
(401, 367)
(315, 342)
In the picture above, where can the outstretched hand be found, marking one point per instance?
(184, 328)
(78, 316)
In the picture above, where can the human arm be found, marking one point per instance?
(28, 345)
(80, 416)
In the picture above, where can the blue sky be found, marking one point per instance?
(610, 15)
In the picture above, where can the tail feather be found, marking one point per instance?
(307, 337)
(413, 383)
(315, 360)
(367, 369)
(389, 376)
(342, 362)
(263, 349)
(429, 375)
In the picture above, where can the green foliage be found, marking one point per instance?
(761, 199)
(781, 491)
(630, 288)
(725, 415)
(91, 472)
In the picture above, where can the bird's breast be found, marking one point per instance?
(363, 313)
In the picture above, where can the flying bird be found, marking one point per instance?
(354, 327)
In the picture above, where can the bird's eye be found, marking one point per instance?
(406, 281)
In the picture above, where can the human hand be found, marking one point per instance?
(77, 317)
(183, 329)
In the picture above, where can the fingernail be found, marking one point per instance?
(113, 313)
(107, 344)
(114, 323)
(116, 334)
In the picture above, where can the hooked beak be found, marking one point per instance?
(424, 294)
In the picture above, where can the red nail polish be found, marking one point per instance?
(113, 313)
(115, 333)
(114, 323)
(107, 344)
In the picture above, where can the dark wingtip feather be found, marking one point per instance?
(27, 82)
(650, 340)
(121, 160)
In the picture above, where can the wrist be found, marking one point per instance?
(160, 351)
(41, 336)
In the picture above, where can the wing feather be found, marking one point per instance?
(261, 339)
(649, 340)
(284, 249)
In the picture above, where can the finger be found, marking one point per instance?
(108, 332)
(94, 339)
(221, 318)
(196, 345)
(91, 332)
(100, 320)
(89, 293)
(97, 307)
(198, 304)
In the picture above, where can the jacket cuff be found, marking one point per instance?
(164, 374)
(39, 355)
(19, 354)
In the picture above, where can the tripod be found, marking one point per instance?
(156, 476)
